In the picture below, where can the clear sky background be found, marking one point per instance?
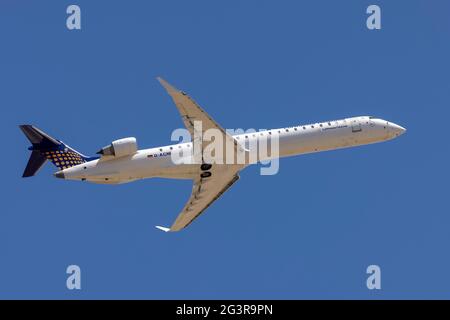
(308, 232)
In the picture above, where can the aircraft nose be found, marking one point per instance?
(59, 174)
(396, 129)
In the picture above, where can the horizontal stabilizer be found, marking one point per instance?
(34, 164)
(39, 138)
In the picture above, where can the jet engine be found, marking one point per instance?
(120, 148)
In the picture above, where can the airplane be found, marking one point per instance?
(122, 162)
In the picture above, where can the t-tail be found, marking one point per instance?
(44, 147)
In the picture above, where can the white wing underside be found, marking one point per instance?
(205, 190)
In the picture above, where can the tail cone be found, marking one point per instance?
(59, 174)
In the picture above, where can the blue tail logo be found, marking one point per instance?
(44, 148)
(64, 158)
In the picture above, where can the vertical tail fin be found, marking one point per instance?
(44, 147)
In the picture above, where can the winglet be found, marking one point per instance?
(167, 86)
(163, 228)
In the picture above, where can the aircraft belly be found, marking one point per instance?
(314, 142)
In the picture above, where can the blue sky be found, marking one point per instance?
(309, 231)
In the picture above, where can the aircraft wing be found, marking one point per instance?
(190, 111)
(204, 192)
(206, 189)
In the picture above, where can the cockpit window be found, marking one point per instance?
(371, 117)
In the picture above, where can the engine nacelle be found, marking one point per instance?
(120, 148)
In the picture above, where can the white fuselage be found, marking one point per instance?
(157, 162)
